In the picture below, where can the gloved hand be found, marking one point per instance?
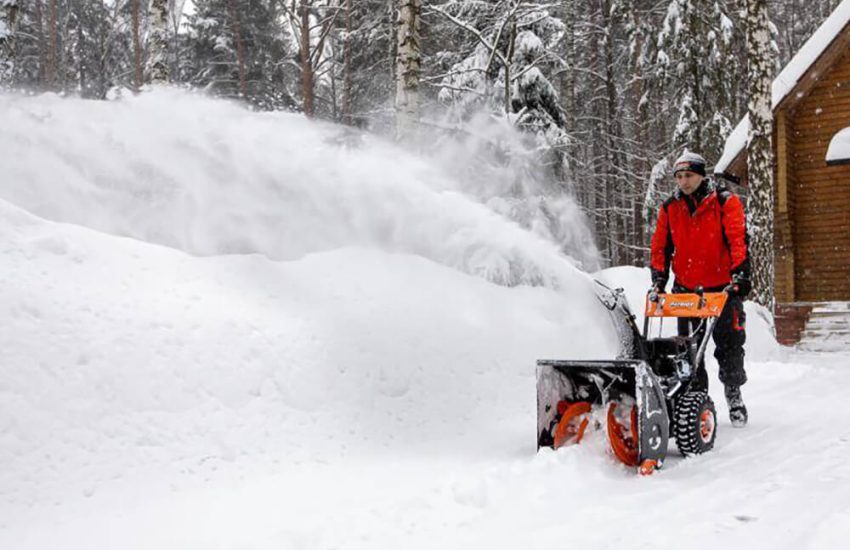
(659, 282)
(741, 283)
(657, 288)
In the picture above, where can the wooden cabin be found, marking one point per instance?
(811, 101)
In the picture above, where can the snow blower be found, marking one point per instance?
(645, 396)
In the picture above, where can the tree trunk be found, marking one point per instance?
(509, 54)
(81, 66)
(240, 49)
(307, 77)
(409, 63)
(392, 44)
(51, 46)
(617, 225)
(568, 88)
(42, 46)
(639, 165)
(157, 68)
(568, 78)
(137, 48)
(346, 69)
(8, 26)
(101, 55)
(760, 152)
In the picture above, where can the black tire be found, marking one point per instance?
(694, 423)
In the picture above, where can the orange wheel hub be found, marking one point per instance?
(706, 425)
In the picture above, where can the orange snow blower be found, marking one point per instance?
(646, 396)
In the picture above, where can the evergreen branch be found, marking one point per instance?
(472, 30)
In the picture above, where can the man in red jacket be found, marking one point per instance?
(702, 235)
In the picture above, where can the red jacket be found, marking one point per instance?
(704, 236)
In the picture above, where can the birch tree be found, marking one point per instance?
(8, 26)
(760, 153)
(157, 66)
(408, 71)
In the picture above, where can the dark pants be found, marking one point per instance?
(729, 337)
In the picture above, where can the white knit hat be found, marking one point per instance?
(691, 162)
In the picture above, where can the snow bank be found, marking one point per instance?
(207, 177)
(122, 358)
(291, 290)
(360, 387)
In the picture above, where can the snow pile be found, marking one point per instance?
(206, 177)
(355, 389)
(124, 361)
(358, 330)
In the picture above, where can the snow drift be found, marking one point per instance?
(302, 346)
(315, 297)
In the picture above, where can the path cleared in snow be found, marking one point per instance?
(356, 395)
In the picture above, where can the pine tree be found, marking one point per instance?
(700, 68)
(238, 49)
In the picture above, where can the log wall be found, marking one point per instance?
(819, 195)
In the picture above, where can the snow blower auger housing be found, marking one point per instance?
(644, 397)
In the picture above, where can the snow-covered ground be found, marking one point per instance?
(231, 330)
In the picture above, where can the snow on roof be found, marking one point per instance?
(839, 147)
(735, 143)
(790, 76)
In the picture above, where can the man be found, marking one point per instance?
(702, 232)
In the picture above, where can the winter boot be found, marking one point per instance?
(737, 409)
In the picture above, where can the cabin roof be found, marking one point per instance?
(796, 78)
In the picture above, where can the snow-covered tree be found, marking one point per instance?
(239, 49)
(698, 62)
(506, 70)
(760, 66)
(798, 20)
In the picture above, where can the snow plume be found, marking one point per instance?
(208, 177)
(507, 169)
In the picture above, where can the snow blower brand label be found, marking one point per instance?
(709, 304)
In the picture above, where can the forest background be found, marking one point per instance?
(542, 106)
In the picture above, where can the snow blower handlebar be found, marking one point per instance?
(696, 304)
(701, 305)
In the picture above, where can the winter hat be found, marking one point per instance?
(691, 162)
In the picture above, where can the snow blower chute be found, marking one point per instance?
(644, 397)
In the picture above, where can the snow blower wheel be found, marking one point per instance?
(694, 423)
